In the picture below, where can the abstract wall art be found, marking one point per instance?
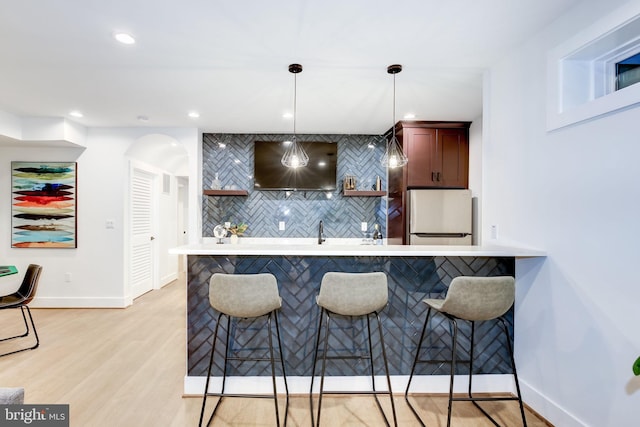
(43, 207)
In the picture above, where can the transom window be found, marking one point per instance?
(628, 72)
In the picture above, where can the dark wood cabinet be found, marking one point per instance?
(438, 154)
(419, 145)
(438, 157)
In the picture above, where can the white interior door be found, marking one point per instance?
(183, 209)
(141, 265)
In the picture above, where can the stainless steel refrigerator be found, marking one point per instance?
(439, 217)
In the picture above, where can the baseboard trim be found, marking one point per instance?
(547, 409)
(432, 384)
(79, 302)
(165, 280)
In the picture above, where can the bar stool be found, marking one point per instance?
(245, 296)
(352, 295)
(471, 299)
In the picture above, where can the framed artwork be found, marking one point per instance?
(43, 205)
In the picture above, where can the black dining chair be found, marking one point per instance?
(20, 299)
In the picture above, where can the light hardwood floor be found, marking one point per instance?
(125, 367)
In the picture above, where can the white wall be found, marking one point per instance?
(97, 266)
(574, 193)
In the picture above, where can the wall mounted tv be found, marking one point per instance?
(319, 174)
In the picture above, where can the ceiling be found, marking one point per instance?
(229, 60)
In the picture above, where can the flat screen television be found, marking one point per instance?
(270, 174)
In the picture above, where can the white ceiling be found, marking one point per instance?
(229, 60)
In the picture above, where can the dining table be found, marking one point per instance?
(7, 270)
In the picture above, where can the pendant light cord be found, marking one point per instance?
(295, 100)
(394, 105)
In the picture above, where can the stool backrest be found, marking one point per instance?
(244, 295)
(479, 298)
(353, 294)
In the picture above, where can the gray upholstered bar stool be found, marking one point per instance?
(245, 296)
(353, 295)
(471, 299)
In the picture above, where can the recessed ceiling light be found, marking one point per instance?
(124, 38)
(143, 118)
(194, 114)
(409, 116)
(287, 115)
(76, 113)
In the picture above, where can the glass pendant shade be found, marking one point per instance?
(393, 156)
(294, 155)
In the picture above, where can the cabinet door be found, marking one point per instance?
(420, 145)
(451, 158)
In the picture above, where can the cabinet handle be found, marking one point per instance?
(438, 176)
(433, 176)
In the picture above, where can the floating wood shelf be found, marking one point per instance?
(364, 193)
(226, 192)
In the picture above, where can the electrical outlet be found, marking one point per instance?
(494, 231)
(110, 224)
(363, 226)
(281, 226)
(67, 277)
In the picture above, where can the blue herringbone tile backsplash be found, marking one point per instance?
(301, 211)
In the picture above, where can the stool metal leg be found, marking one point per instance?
(327, 329)
(273, 369)
(313, 368)
(386, 369)
(515, 373)
(471, 356)
(206, 387)
(284, 373)
(413, 367)
(475, 400)
(227, 357)
(454, 343)
(324, 363)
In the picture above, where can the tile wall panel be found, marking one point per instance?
(411, 279)
(301, 211)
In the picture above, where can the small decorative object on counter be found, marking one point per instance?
(377, 235)
(216, 184)
(349, 182)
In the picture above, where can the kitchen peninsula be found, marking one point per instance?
(414, 273)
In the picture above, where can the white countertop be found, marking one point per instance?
(343, 247)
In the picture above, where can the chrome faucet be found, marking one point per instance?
(321, 233)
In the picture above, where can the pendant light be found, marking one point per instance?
(394, 157)
(294, 155)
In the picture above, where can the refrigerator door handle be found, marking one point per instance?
(441, 234)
